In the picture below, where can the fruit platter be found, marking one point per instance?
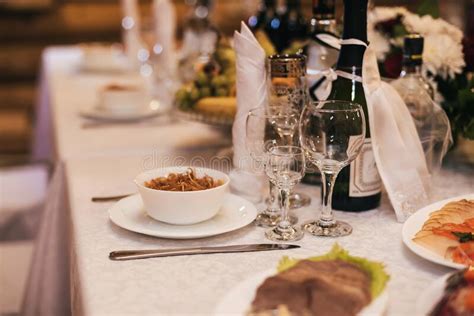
(210, 97)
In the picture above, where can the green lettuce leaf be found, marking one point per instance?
(376, 270)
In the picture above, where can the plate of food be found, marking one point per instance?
(450, 295)
(210, 97)
(337, 283)
(443, 232)
(182, 203)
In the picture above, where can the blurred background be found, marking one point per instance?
(28, 26)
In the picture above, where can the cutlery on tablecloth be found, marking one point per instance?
(143, 254)
(109, 198)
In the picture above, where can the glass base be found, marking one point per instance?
(271, 219)
(298, 200)
(292, 233)
(337, 230)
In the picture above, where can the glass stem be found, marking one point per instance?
(327, 218)
(284, 223)
(273, 206)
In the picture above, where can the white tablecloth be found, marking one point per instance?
(61, 135)
(193, 285)
(77, 236)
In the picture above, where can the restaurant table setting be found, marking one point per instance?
(149, 212)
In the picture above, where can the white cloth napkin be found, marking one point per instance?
(396, 145)
(131, 30)
(165, 28)
(251, 93)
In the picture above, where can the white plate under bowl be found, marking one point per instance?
(238, 300)
(236, 212)
(431, 296)
(98, 113)
(414, 224)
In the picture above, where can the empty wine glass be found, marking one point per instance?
(285, 168)
(331, 135)
(286, 119)
(261, 136)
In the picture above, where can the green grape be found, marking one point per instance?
(219, 81)
(205, 92)
(201, 79)
(194, 95)
(181, 95)
(222, 92)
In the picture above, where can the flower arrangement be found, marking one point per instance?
(446, 63)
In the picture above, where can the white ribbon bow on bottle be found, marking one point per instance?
(397, 148)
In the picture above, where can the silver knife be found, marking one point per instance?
(143, 254)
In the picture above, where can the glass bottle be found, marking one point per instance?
(200, 39)
(295, 22)
(257, 20)
(321, 57)
(273, 25)
(430, 119)
(358, 186)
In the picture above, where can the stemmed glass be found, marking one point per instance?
(331, 135)
(261, 135)
(286, 119)
(285, 168)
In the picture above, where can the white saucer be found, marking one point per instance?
(415, 222)
(238, 300)
(129, 214)
(98, 113)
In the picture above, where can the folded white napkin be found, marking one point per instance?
(165, 28)
(251, 93)
(131, 30)
(396, 145)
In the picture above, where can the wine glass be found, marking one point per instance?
(261, 136)
(286, 119)
(285, 168)
(331, 135)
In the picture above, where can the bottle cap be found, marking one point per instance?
(285, 66)
(413, 49)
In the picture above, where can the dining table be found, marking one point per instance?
(71, 271)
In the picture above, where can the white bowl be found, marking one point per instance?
(124, 99)
(182, 208)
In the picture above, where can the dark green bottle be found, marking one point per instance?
(358, 185)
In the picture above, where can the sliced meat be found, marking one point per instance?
(332, 287)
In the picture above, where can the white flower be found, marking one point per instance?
(442, 55)
(426, 25)
(379, 43)
(380, 14)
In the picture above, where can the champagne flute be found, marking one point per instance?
(331, 134)
(261, 136)
(285, 168)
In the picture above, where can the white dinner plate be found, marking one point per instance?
(236, 212)
(431, 296)
(98, 113)
(415, 222)
(238, 300)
